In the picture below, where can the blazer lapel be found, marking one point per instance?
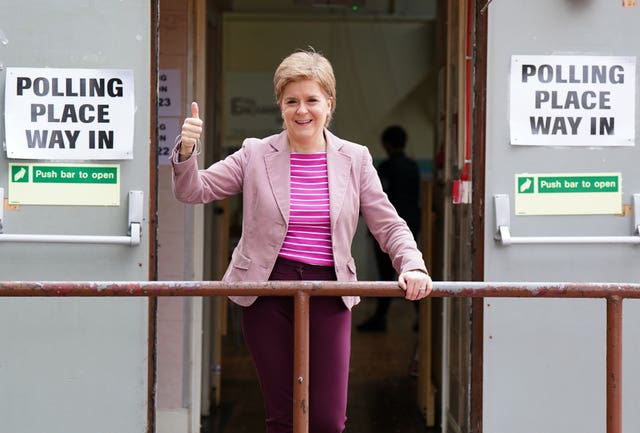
(338, 168)
(277, 164)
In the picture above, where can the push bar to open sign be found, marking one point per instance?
(136, 206)
(502, 231)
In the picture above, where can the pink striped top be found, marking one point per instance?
(308, 238)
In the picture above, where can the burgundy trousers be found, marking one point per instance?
(267, 327)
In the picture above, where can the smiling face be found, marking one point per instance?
(305, 109)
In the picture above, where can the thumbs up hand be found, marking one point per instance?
(191, 131)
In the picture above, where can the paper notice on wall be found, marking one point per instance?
(573, 101)
(168, 130)
(69, 114)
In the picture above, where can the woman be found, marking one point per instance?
(303, 190)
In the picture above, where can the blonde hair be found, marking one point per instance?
(306, 65)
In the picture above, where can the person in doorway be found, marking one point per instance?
(303, 190)
(400, 177)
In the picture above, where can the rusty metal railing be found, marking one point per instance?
(614, 294)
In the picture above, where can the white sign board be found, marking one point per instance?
(572, 100)
(170, 115)
(169, 93)
(250, 109)
(168, 130)
(69, 114)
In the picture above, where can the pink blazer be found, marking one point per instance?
(260, 170)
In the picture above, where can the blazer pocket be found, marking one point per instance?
(351, 265)
(240, 261)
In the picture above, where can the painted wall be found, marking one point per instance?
(174, 403)
(171, 217)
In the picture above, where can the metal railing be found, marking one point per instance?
(614, 293)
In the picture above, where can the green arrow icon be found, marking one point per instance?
(525, 185)
(19, 174)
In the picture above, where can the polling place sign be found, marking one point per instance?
(572, 100)
(69, 114)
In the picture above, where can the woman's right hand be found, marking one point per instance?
(191, 131)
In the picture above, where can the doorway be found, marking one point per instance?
(383, 60)
(385, 55)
